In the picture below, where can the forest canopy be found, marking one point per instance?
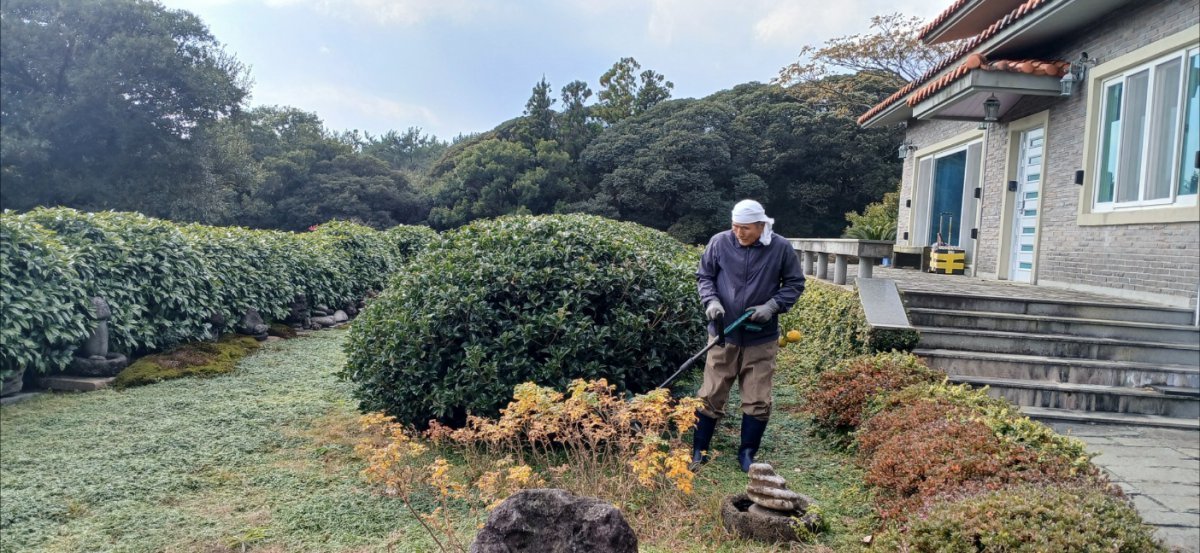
(124, 104)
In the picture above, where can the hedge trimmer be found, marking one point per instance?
(718, 340)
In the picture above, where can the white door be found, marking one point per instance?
(1028, 200)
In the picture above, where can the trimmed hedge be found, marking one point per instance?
(835, 328)
(841, 395)
(525, 299)
(155, 282)
(1025, 519)
(927, 445)
(163, 282)
(43, 305)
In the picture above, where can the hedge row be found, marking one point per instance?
(953, 469)
(835, 328)
(164, 282)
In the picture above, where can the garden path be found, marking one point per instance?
(1158, 468)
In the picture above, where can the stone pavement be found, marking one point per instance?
(1158, 468)
(911, 279)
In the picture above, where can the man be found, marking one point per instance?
(747, 267)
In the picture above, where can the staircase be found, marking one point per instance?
(1067, 360)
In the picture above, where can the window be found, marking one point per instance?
(1149, 134)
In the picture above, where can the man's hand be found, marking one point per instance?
(764, 312)
(715, 311)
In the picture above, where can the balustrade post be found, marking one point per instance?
(865, 264)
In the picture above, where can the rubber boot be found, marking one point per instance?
(700, 441)
(752, 432)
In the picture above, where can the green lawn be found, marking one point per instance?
(262, 460)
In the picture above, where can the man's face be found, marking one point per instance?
(748, 233)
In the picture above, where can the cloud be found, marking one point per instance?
(796, 24)
(380, 12)
(388, 12)
(344, 108)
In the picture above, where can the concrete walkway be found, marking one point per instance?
(1158, 468)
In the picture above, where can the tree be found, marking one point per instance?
(104, 104)
(538, 123)
(306, 176)
(878, 63)
(681, 166)
(877, 220)
(622, 96)
(412, 151)
(576, 127)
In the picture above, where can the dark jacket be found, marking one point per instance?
(742, 277)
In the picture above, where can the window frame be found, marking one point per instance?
(1153, 98)
(1184, 210)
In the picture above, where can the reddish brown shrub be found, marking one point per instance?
(945, 455)
(841, 394)
(933, 457)
(901, 419)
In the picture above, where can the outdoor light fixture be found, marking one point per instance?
(1075, 74)
(904, 150)
(991, 109)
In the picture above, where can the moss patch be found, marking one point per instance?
(192, 359)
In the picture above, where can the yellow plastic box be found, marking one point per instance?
(948, 261)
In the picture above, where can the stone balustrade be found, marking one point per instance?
(817, 251)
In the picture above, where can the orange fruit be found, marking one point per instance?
(782, 341)
(793, 336)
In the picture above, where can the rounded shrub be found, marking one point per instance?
(525, 299)
(838, 400)
(156, 284)
(406, 241)
(1026, 518)
(1003, 418)
(43, 304)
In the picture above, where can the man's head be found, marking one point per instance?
(748, 233)
(751, 224)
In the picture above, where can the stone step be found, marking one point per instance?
(1098, 417)
(1044, 324)
(1050, 345)
(1052, 308)
(64, 383)
(1059, 369)
(1084, 397)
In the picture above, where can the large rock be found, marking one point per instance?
(252, 325)
(554, 521)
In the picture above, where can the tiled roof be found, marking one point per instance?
(979, 62)
(1004, 22)
(941, 18)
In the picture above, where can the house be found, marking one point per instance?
(1059, 145)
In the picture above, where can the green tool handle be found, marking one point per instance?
(715, 341)
(742, 320)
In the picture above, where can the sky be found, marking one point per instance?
(463, 66)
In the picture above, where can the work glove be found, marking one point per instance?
(764, 312)
(715, 311)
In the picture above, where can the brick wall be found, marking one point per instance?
(1150, 261)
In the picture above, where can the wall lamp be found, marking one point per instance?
(991, 109)
(905, 149)
(991, 112)
(1075, 75)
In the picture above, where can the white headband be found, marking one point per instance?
(750, 211)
